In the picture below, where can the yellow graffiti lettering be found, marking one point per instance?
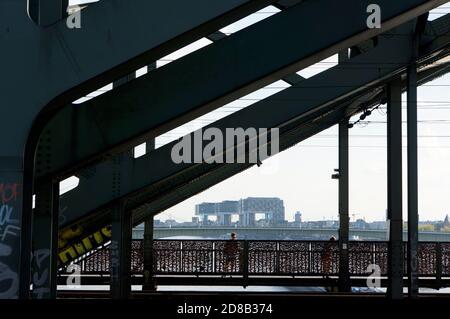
(79, 248)
(87, 243)
(107, 231)
(62, 243)
(98, 237)
(69, 251)
(72, 232)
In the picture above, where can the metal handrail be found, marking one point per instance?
(269, 258)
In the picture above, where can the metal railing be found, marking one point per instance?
(268, 258)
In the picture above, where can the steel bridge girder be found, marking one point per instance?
(239, 64)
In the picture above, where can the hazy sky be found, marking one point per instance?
(301, 176)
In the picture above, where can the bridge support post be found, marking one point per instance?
(245, 255)
(120, 248)
(16, 178)
(45, 241)
(394, 160)
(14, 277)
(344, 276)
(120, 259)
(413, 214)
(148, 279)
(149, 283)
(438, 265)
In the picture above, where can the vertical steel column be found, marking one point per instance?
(120, 248)
(45, 226)
(439, 262)
(245, 256)
(16, 232)
(11, 208)
(394, 145)
(413, 214)
(45, 241)
(344, 276)
(148, 284)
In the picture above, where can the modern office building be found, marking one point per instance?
(247, 209)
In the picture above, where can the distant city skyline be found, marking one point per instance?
(289, 216)
(197, 222)
(158, 217)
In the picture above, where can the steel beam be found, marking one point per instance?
(348, 79)
(45, 228)
(45, 242)
(260, 115)
(105, 27)
(148, 280)
(69, 72)
(413, 214)
(216, 174)
(11, 181)
(120, 258)
(213, 176)
(120, 248)
(61, 70)
(245, 61)
(344, 275)
(157, 204)
(284, 4)
(394, 160)
(190, 189)
(167, 202)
